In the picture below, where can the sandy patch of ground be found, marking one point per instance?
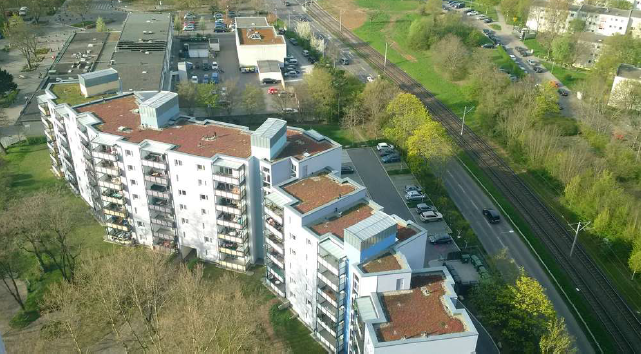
(353, 16)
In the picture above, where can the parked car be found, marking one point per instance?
(293, 41)
(391, 158)
(385, 152)
(205, 78)
(513, 57)
(411, 187)
(344, 61)
(268, 81)
(218, 15)
(414, 196)
(442, 238)
(555, 84)
(290, 74)
(381, 146)
(487, 46)
(287, 3)
(532, 62)
(291, 61)
(487, 31)
(189, 28)
(421, 207)
(281, 31)
(488, 20)
(538, 69)
(346, 169)
(563, 92)
(429, 216)
(370, 79)
(305, 53)
(492, 216)
(214, 65)
(231, 13)
(194, 79)
(289, 110)
(272, 90)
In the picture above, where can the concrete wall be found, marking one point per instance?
(249, 55)
(414, 250)
(330, 158)
(132, 170)
(107, 87)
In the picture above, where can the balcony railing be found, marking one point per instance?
(234, 263)
(277, 259)
(161, 204)
(164, 233)
(111, 182)
(230, 220)
(275, 271)
(155, 161)
(156, 190)
(107, 167)
(327, 339)
(51, 136)
(228, 191)
(276, 284)
(104, 152)
(230, 206)
(274, 212)
(163, 219)
(328, 294)
(118, 236)
(115, 210)
(233, 248)
(329, 278)
(118, 223)
(236, 177)
(275, 243)
(113, 196)
(274, 227)
(333, 313)
(157, 176)
(231, 234)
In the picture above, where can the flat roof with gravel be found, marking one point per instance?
(315, 191)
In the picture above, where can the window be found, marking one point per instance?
(140, 223)
(184, 221)
(128, 153)
(183, 207)
(178, 163)
(309, 242)
(130, 168)
(133, 182)
(203, 211)
(135, 210)
(135, 196)
(182, 192)
(200, 167)
(200, 182)
(292, 236)
(291, 251)
(204, 197)
(207, 239)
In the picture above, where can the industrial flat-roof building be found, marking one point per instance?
(257, 41)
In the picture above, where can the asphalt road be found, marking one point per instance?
(372, 173)
(471, 199)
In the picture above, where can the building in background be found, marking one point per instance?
(257, 41)
(626, 88)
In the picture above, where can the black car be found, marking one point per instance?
(391, 158)
(347, 169)
(488, 20)
(270, 81)
(385, 152)
(488, 46)
(538, 69)
(492, 216)
(281, 31)
(563, 92)
(442, 238)
(421, 207)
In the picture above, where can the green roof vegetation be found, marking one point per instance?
(71, 95)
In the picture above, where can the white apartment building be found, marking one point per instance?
(626, 76)
(174, 183)
(327, 245)
(598, 20)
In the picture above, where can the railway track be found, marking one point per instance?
(608, 306)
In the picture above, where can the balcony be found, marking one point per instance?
(326, 323)
(161, 204)
(229, 191)
(275, 271)
(275, 243)
(233, 235)
(115, 210)
(51, 136)
(277, 259)
(157, 176)
(52, 146)
(164, 245)
(328, 294)
(156, 190)
(230, 220)
(154, 161)
(107, 167)
(118, 236)
(44, 108)
(333, 313)
(274, 212)
(234, 263)
(327, 277)
(227, 175)
(327, 339)
(118, 223)
(113, 196)
(111, 182)
(105, 152)
(164, 233)
(328, 261)
(276, 284)
(163, 219)
(274, 227)
(230, 206)
(233, 248)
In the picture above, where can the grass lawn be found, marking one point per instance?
(538, 49)
(71, 95)
(8, 99)
(297, 336)
(495, 26)
(333, 131)
(252, 284)
(389, 5)
(569, 77)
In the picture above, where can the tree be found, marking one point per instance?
(451, 56)
(373, 101)
(547, 102)
(303, 30)
(431, 143)
(149, 304)
(38, 8)
(634, 262)
(206, 96)
(564, 49)
(230, 99)
(577, 25)
(23, 36)
(177, 22)
(12, 261)
(434, 7)
(407, 113)
(100, 25)
(557, 340)
(79, 7)
(627, 95)
(187, 94)
(420, 32)
(252, 99)
(322, 91)
(620, 4)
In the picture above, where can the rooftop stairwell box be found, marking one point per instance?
(158, 110)
(99, 82)
(269, 139)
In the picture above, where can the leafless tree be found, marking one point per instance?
(12, 261)
(230, 98)
(23, 36)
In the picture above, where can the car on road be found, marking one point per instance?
(194, 79)
(293, 41)
(370, 79)
(391, 158)
(442, 238)
(381, 146)
(346, 169)
(488, 20)
(414, 196)
(555, 84)
(513, 57)
(272, 90)
(538, 69)
(532, 62)
(268, 81)
(487, 46)
(563, 92)
(411, 187)
(290, 110)
(492, 215)
(214, 65)
(422, 207)
(430, 216)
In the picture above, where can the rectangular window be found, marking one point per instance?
(135, 210)
(140, 223)
(130, 168)
(135, 196)
(183, 207)
(200, 182)
(128, 153)
(200, 167)
(292, 236)
(184, 221)
(178, 163)
(291, 250)
(309, 242)
(133, 182)
(182, 192)
(203, 211)
(204, 197)
(207, 239)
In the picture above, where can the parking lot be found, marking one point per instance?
(388, 191)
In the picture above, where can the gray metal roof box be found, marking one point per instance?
(98, 77)
(370, 231)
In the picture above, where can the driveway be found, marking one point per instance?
(470, 200)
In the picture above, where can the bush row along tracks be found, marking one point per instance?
(610, 308)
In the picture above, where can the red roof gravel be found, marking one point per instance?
(299, 143)
(316, 191)
(338, 225)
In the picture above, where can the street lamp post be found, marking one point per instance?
(465, 111)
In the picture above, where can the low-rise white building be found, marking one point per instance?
(626, 88)
(257, 41)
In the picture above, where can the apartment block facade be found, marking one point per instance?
(327, 245)
(173, 183)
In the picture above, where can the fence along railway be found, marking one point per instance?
(609, 307)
